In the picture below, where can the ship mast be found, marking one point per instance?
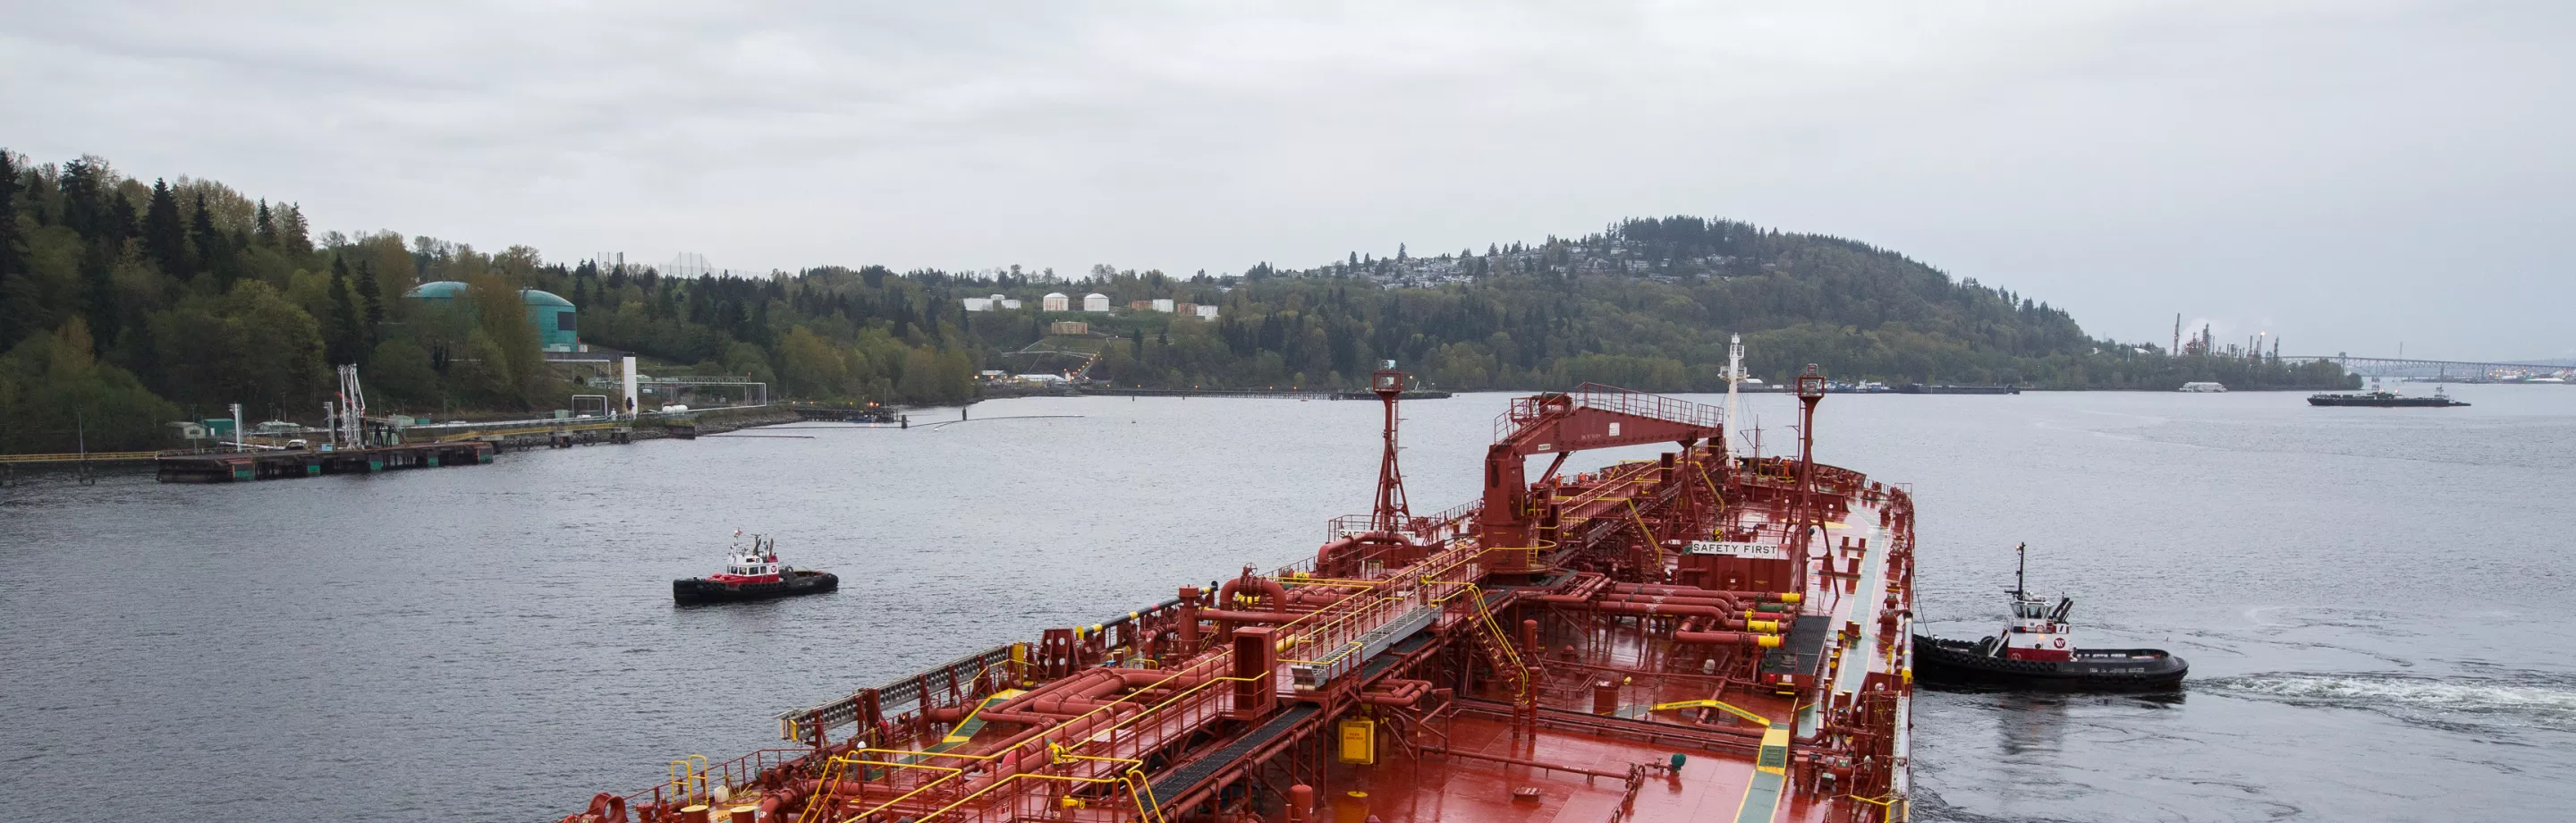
(1390, 513)
(1811, 388)
(1734, 376)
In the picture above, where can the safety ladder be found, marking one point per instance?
(1497, 646)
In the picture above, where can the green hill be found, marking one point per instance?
(125, 305)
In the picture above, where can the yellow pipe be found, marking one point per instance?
(1712, 704)
(1095, 736)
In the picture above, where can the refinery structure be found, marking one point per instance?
(1705, 635)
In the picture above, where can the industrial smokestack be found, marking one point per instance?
(628, 366)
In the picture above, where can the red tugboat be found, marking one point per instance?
(1701, 635)
(2034, 651)
(752, 573)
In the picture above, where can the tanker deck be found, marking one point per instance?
(1701, 636)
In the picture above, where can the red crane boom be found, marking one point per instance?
(1593, 417)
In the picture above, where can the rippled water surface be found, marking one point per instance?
(2375, 602)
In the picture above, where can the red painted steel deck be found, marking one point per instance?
(1511, 659)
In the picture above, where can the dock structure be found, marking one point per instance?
(836, 414)
(1273, 394)
(226, 467)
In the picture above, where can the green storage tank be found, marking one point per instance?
(556, 321)
(555, 318)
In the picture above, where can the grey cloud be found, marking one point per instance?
(2341, 173)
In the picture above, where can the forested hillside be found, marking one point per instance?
(125, 305)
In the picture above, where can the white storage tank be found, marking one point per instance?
(1095, 301)
(1055, 301)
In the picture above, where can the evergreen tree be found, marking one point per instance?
(82, 208)
(265, 229)
(292, 232)
(214, 252)
(371, 298)
(163, 238)
(121, 219)
(346, 339)
(99, 287)
(17, 293)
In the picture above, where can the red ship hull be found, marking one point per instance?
(1701, 636)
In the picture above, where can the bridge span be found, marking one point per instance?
(2417, 367)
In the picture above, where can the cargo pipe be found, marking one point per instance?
(1275, 594)
(1316, 597)
(1666, 605)
(1083, 693)
(1062, 711)
(1695, 591)
(1755, 611)
(1256, 617)
(1401, 693)
(1016, 753)
(1090, 684)
(776, 804)
(1675, 599)
(1754, 639)
(1718, 617)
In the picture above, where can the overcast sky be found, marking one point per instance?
(2346, 174)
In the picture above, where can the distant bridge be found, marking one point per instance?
(2407, 367)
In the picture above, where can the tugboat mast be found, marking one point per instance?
(2021, 570)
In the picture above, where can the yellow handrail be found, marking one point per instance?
(1886, 805)
(1502, 641)
(1309, 627)
(1647, 533)
(1054, 750)
(1712, 704)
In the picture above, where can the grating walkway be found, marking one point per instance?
(1190, 774)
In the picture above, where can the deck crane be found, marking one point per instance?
(1593, 417)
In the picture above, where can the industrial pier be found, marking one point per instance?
(224, 467)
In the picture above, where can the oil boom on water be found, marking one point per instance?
(1699, 636)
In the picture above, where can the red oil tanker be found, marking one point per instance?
(1701, 636)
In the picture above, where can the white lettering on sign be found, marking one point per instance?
(1759, 551)
(1544, 447)
(1614, 430)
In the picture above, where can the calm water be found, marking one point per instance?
(2375, 602)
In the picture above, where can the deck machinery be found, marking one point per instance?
(1699, 636)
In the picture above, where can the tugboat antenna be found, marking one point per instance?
(2021, 570)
